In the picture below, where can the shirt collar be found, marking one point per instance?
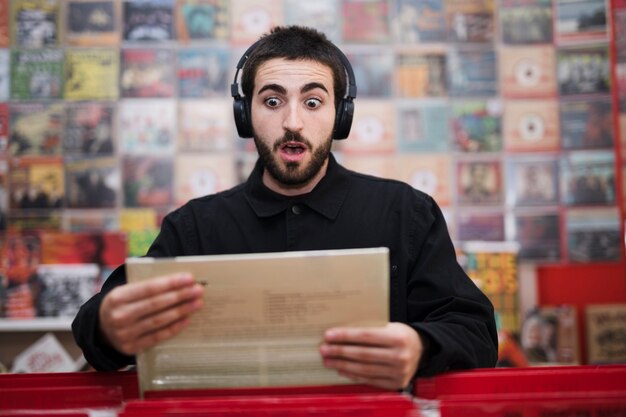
(326, 198)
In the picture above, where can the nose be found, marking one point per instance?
(293, 118)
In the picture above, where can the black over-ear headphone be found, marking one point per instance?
(345, 108)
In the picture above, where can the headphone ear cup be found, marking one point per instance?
(243, 122)
(343, 119)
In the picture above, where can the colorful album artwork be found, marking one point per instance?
(580, 20)
(373, 72)
(477, 125)
(89, 129)
(34, 23)
(92, 22)
(147, 126)
(205, 126)
(593, 235)
(35, 128)
(549, 336)
(484, 225)
(472, 72)
(526, 22)
(92, 74)
(584, 70)
(201, 20)
(148, 181)
(418, 21)
(36, 183)
(588, 178)
(365, 21)
(200, 175)
(251, 19)
(470, 21)
(421, 74)
(148, 20)
(203, 72)
(532, 181)
(36, 74)
(92, 183)
(538, 235)
(372, 129)
(147, 72)
(531, 125)
(423, 126)
(429, 173)
(325, 13)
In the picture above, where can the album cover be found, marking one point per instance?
(472, 72)
(35, 128)
(581, 20)
(100, 248)
(148, 181)
(584, 70)
(365, 21)
(147, 126)
(5, 38)
(92, 183)
(200, 175)
(5, 74)
(470, 21)
(36, 74)
(527, 72)
(91, 74)
(587, 124)
(92, 22)
(430, 173)
(493, 268)
(138, 219)
(203, 72)
(531, 125)
(89, 221)
(549, 336)
(4, 129)
(35, 23)
(36, 183)
(325, 14)
(19, 255)
(148, 20)
(89, 129)
(253, 18)
(423, 126)
(63, 289)
(147, 72)
(588, 178)
(205, 126)
(372, 129)
(593, 235)
(477, 125)
(421, 73)
(479, 182)
(200, 20)
(484, 225)
(419, 21)
(139, 241)
(373, 72)
(526, 22)
(538, 235)
(34, 221)
(606, 333)
(532, 181)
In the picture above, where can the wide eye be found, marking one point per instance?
(313, 103)
(272, 102)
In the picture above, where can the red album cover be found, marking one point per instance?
(365, 21)
(4, 128)
(147, 72)
(4, 24)
(20, 255)
(108, 248)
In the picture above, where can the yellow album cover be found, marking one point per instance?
(91, 74)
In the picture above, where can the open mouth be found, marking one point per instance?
(293, 148)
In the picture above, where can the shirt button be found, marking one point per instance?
(296, 209)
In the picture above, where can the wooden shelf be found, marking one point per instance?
(36, 325)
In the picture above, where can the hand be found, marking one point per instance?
(385, 357)
(136, 316)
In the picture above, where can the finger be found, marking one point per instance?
(146, 307)
(151, 339)
(369, 370)
(146, 289)
(163, 318)
(371, 336)
(366, 354)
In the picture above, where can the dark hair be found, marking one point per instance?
(294, 43)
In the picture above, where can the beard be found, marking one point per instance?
(294, 173)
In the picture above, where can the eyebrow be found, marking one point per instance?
(281, 90)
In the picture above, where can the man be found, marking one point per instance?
(299, 198)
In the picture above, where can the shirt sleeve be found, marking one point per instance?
(86, 324)
(455, 319)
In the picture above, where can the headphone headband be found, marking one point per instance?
(345, 108)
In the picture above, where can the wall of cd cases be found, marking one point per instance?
(507, 112)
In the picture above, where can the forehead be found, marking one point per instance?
(293, 73)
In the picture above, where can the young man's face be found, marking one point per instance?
(293, 114)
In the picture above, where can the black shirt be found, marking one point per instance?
(428, 290)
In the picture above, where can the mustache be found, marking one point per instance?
(292, 137)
